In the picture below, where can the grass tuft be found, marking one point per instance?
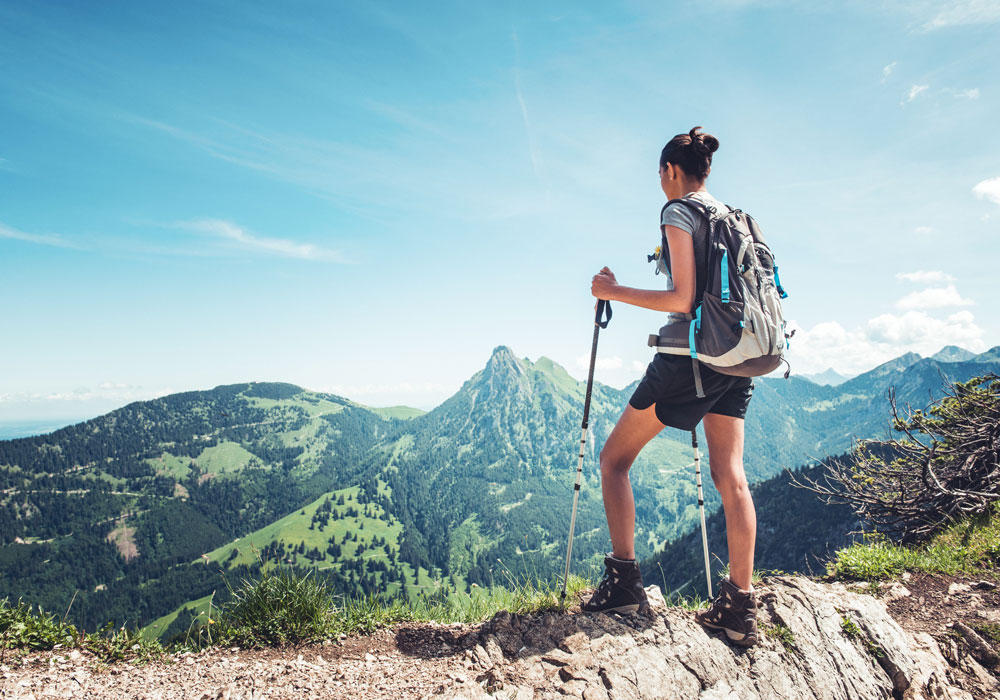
(854, 633)
(281, 607)
(962, 548)
(781, 633)
(25, 629)
(111, 645)
(22, 627)
(989, 630)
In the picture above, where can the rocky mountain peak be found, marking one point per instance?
(503, 362)
(953, 353)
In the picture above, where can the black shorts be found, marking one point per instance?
(669, 383)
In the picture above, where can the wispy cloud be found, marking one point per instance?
(915, 92)
(988, 189)
(114, 391)
(935, 298)
(952, 13)
(925, 276)
(970, 94)
(923, 230)
(246, 240)
(362, 179)
(57, 241)
(887, 71)
(532, 150)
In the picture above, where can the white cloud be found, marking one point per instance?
(988, 189)
(852, 351)
(920, 332)
(925, 276)
(602, 362)
(971, 94)
(952, 13)
(281, 247)
(639, 365)
(915, 92)
(923, 230)
(934, 298)
(887, 71)
(112, 391)
(58, 241)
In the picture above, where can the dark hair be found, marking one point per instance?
(691, 152)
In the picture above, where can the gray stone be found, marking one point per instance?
(667, 654)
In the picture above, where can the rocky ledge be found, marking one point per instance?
(820, 641)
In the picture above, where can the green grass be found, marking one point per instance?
(833, 403)
(224, 458)
(177, 467)
(157, 627)
(854, 633)
(284, 606)
(989, 630)
(281, 607)
(316, 406)
(403, 412)
(962, 548)
(23, 628)
(294, 528)
(782, 634)
(465, 543)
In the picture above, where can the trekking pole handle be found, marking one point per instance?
(602, 306)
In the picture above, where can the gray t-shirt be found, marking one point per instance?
(691, 222)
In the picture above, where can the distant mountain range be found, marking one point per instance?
(828, 377)
(126, 510)
(949, 353)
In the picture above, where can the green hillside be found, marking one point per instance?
(120, 513)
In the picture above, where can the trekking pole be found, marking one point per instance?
(701, 508)
(602, 306)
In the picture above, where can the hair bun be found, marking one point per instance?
(692, 152)
(703, 143)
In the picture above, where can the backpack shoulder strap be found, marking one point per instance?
(699, 206)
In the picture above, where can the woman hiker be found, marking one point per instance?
(666, 396)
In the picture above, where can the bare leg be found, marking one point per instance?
(634, 429)
(725, 449)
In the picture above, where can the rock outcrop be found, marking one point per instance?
(820, 641)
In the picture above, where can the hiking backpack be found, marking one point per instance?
(737, 326)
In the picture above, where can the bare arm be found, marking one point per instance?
(680, 299)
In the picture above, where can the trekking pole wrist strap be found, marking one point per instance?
(603, 306)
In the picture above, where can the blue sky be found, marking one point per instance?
(366, 198)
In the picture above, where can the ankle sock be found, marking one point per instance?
(623, 561)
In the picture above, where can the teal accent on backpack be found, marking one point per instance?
(693, 326)
(777, 283)
(724, 265)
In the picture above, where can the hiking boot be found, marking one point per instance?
(734, 612)
(620, 590)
